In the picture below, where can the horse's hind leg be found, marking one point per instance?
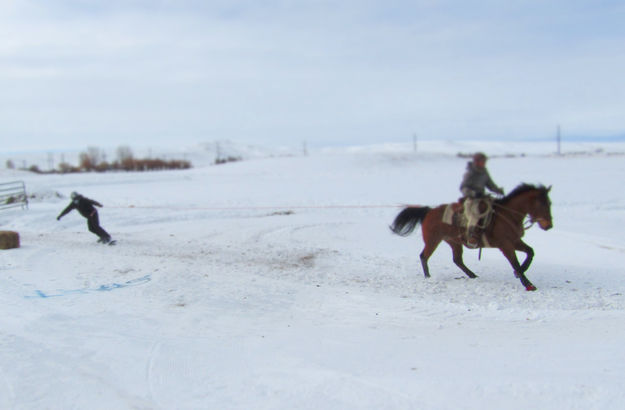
(456, 248)
(430, 247)
(424, 263)
(432, 236)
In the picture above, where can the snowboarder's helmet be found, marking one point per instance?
(75, 195)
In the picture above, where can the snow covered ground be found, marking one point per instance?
(276, 283)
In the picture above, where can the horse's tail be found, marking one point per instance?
(408, 219)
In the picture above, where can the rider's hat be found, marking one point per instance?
(479, 156)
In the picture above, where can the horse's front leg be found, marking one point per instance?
(529, 254)
(509, 253)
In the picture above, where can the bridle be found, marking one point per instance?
(525, 224)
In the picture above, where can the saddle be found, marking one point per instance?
(470, 214)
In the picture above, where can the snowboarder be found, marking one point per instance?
(86, 208)
(476, 179)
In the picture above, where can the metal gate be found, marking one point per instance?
(13, 194)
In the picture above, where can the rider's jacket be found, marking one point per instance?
(475, 181)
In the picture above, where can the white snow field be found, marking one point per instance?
(275, 283)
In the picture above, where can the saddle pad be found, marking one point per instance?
(448, 215)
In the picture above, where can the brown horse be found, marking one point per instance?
(504, 231)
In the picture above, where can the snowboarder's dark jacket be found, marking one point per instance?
(83, 204)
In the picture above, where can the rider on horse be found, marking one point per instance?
(476, 179)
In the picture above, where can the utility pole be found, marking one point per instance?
(50, 161)
(414, 142)
(558, 139)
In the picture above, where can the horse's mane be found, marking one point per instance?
(520, 189)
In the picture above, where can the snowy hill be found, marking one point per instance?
(275, 282)
(206, 154)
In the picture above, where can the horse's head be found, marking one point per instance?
(532, 200)
(540, 207)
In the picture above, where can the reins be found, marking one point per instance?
(525, 225)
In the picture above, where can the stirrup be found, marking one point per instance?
(472, 243)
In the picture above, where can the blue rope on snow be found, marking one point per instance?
(101, 288)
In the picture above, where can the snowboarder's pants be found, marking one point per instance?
(93, 222)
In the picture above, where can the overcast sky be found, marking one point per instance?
(75, 73)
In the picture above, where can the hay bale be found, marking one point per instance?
(9, 240)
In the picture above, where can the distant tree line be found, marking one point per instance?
(94, 160)
(220, 161)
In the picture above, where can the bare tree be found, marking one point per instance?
(125, 158)
(90, 159)
(124, 153)
(96, 154)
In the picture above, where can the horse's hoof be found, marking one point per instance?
(530, 288)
